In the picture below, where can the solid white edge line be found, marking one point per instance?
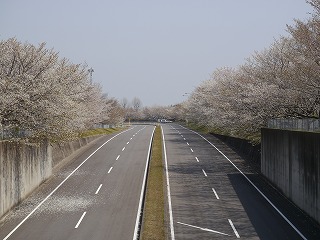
(215, 193)
(110, 170)
(261, 193)
(168, 186)
(98, 189)
(135, 234)
(234, 229)
(80, 220)
(205, 174)
(54, 190)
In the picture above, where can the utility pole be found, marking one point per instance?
(90, 72)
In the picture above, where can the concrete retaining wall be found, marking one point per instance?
(23, 167)
(250, 153)
(62, 150)
(291, 160)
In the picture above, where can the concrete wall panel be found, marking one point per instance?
(23, 167)
(291, 160)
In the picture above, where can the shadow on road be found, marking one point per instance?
(266, 220)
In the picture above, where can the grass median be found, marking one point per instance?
(153, 215)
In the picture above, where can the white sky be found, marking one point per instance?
(156, 50)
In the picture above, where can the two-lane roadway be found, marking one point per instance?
(211, 198)
(97, 196)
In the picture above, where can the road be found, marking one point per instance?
(96, 196)
(211, 197)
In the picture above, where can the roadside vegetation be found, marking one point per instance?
(98, 131)
(153, 215)
(282, 81)
(44, 96)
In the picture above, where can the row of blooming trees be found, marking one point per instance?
(282, 81)
(44, 95)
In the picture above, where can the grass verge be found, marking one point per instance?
(98, 131)
(153, 215)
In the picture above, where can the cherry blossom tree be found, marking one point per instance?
(281, 81)
(113, 112)
(44, 95)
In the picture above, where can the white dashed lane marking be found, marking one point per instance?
(98, 189)
(205, 174)
(80, 220)
(215, 193)
(234, 229)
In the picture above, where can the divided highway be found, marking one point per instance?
(211, 198)
(95, 197)
(98, 194)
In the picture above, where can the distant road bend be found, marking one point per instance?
(96, 196)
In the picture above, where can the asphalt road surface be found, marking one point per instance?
(210, 196)
(96, 196)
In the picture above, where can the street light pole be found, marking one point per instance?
(90, 72)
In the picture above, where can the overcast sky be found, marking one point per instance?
(156, 50)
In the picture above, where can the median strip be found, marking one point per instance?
(153, 215)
